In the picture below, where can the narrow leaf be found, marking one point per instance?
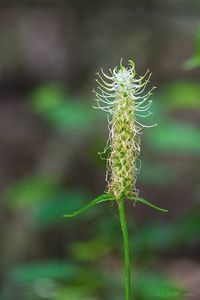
(148, 203)
(99, 199)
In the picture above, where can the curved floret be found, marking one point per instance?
(122, 96)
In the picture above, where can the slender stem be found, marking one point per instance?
(127, 271)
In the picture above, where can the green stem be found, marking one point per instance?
(127, 271)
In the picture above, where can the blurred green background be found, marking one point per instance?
(50, 137)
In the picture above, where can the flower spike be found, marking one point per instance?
(122, 96)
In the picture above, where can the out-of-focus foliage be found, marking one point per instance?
(92, 249)
(30, 192)
(53, 270)
(51, 211)
(52, 279)
(62, 111)
(172, 137)
(194, 62)
(46, 200)
(180, 95)
(154, 238)
(175, 136)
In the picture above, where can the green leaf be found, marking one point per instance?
(63, 111)
(148, 203)
(93, 249)
(49, 212)
(194, 62)
(72, 292)
(30, 192)
(175, 136)
(180, 95)
(150, 286)
(155, 237)
(99, 199)
(58, 270)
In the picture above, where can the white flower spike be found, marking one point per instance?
(122, 96)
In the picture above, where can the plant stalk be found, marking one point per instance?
(127, 268)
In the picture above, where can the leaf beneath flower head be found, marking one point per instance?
(148, 203)
(99, 199)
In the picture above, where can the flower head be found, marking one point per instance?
(122, 96)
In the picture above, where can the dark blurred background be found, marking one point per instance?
(50, 137)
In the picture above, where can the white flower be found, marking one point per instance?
(121, 95)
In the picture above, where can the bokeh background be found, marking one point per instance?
(50, 136)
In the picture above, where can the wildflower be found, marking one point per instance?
(122, 96)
